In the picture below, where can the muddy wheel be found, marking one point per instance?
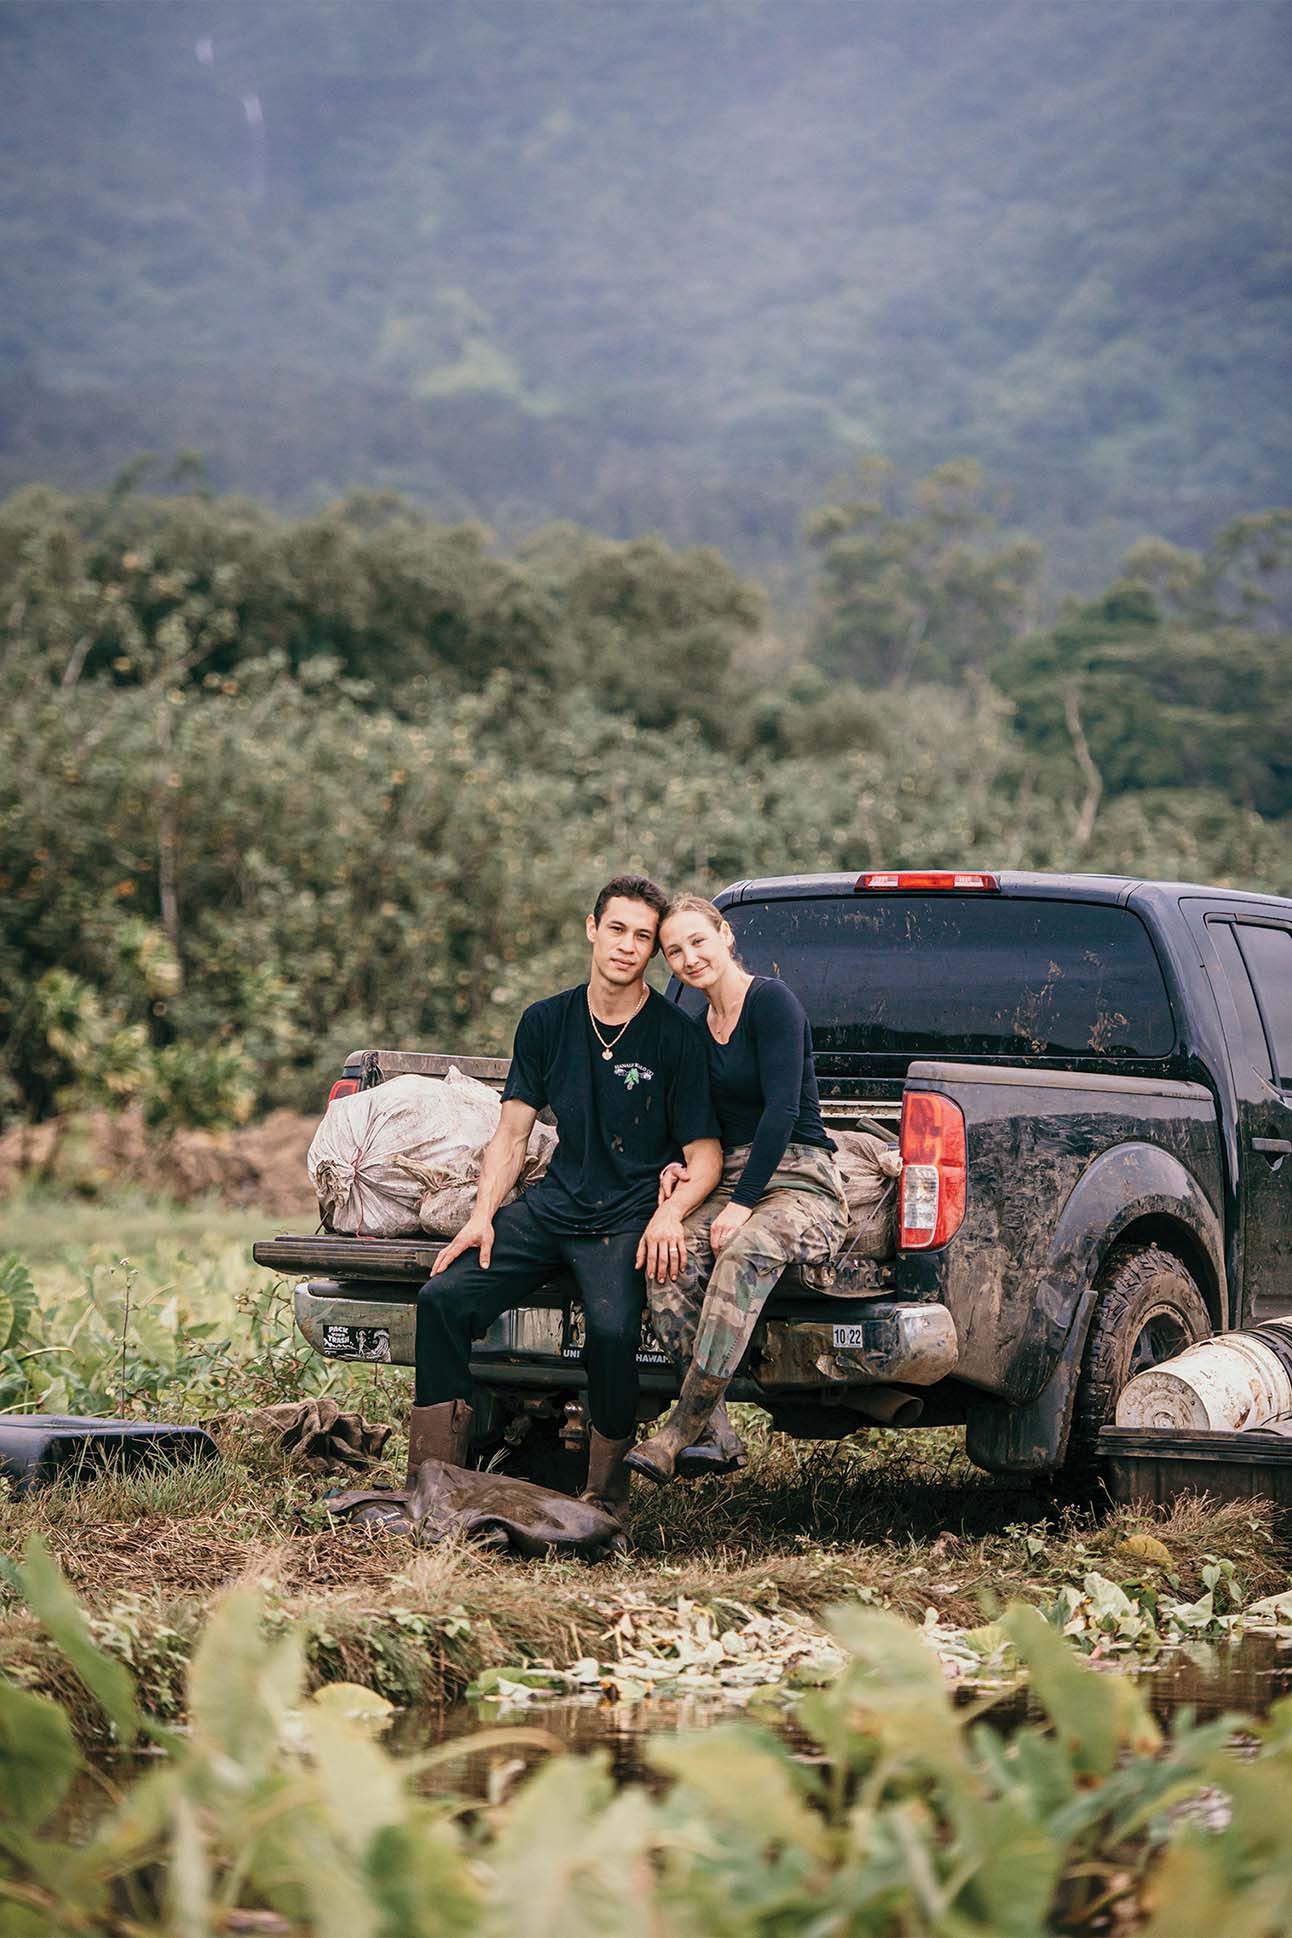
(1148, 1309)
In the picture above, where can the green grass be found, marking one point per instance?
(48, 1230)
(907, 1527)
(901, 1519)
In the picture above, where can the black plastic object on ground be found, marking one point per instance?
(1156, 1464)
(39, 1447)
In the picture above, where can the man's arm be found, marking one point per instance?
(663, 1243)
(499, 1170)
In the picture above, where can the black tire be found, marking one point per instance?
(543, 1457)
(1148, 1309)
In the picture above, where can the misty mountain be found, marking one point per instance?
(656, 265)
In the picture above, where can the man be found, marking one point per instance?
(626, 1076)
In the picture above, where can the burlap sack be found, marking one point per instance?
(450, 1196)
(313, 1433)
(374, 1153)
(870, 1167)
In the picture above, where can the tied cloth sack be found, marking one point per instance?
(450, 1184)
(870, 1167)
(379, 1154)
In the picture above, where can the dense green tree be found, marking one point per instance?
(273, 790)
(918, 586)
(184, 589)
(1158, 685)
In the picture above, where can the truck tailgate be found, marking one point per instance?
(331, 1256)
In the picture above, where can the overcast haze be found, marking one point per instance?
(658, 266)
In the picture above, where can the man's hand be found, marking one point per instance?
(476, 1231)
(726, 1225)
(663, 1246)
(669, 1178)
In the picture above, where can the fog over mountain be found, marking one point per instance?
(660, 265)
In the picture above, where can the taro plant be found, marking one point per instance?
(126, 1336)
(281, 1812)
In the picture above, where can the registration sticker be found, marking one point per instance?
(850, 1335)
(357, 1342)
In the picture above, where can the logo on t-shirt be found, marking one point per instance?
(633, 1074)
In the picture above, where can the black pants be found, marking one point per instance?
(463, 1302)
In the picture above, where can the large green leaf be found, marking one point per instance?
(893, 1691)
(38, 1755)
(188, 1875)
(360, 1787)
(240, 1687)
(1095, 1715)
(59, 1613)
(568, 1862)
(742, 1777)
(421, 1879)
(17, 1301)
(1018, 1866)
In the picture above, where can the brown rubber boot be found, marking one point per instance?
(608, 1479)
(440, 1432)
(718, 1450)
(700, 1393)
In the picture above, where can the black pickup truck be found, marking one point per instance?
(1091, 1082)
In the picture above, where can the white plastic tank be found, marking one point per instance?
(1234, 1381)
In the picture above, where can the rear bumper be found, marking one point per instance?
(886, 1342)
(876, 1343)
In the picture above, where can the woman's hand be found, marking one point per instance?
(727, 1224)
(669, 1178)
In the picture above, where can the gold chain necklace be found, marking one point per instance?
(607, 1049)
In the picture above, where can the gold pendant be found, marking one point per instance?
(605, 1056)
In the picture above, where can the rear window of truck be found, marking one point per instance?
(963, 975)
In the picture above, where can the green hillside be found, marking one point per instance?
(659, 265)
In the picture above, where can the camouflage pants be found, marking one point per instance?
(709, 1311)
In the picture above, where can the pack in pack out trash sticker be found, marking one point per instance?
(356, 1342)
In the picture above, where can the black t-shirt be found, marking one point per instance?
(619, 1121)
(764, 1084)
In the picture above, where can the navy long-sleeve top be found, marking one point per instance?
(764, 1084)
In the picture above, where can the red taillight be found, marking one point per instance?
(933, 1170)
(928, 878)
(343, 1087)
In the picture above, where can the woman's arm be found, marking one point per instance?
(779, 1032)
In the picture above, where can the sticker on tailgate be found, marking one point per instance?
(356, 1342)
(649, 1350)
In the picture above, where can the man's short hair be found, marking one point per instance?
(634, 888)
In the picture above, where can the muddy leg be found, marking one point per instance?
(675, 1309)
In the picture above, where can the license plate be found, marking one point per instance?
(850, 1335)
(356, 1342)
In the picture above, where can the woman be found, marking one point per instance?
(781, 1199)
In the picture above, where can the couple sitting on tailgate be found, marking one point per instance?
(636, 1085)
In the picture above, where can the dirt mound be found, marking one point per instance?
(261, 1164)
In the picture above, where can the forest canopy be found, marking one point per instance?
(273, 788)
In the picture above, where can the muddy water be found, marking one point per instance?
(1250, 1676)
(623, 1730)
(1210, 1680)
